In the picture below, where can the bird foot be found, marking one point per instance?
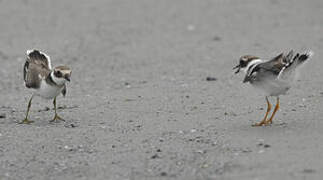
(269, 122)
(56, 119)
(26, 121)
(263, 123)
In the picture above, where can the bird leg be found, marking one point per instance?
(264, 122)
(270, 120)
(56, 117)
(26, 120)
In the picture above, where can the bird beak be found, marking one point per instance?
(68, 78)
(237, 67)
(246, 79)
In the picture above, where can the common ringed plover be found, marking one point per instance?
(274, 76)
(48, 83)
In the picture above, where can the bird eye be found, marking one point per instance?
(243, 62)
(59, 74)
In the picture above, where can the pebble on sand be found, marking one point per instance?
(217, 38)
(3, 115)
(211, 79)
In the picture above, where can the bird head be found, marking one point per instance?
(62, 74)
(244, 61)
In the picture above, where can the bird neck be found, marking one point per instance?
(56, 80)
(252, 64)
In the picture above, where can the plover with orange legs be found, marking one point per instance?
(274, 76)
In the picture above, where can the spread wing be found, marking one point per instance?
(36, 68)
(269, 69)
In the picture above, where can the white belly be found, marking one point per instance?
(273, 87)
(47, 91)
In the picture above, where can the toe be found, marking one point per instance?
(57, 118)
(26, 121)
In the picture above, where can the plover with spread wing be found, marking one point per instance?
(48, 83)
(274, 77)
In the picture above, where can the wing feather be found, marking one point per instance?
(36, 68)
(38, 57)
(270, 68)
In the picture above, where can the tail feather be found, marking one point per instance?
(289, 56)
(307, 55)
(300, 58)
(294, 62)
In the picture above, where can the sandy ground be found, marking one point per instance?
(139, 106)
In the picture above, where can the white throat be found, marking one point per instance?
(254, 62)
(58, 81)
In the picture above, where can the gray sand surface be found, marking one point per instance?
(139, 106)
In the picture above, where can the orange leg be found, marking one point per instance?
(270, 120)
(263, 122)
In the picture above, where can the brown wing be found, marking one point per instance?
(276, 64)
(39, 58)
(270, 68)
(36, 68)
